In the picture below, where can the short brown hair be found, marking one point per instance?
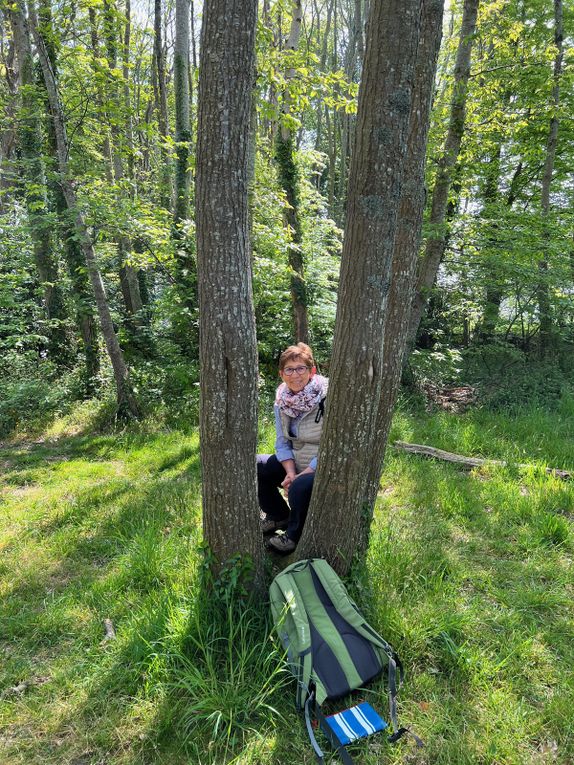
(294, 352)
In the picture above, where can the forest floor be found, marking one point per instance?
(112, 654)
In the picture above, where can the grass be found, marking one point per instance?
(468, 575)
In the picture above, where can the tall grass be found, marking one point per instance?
(468, 575)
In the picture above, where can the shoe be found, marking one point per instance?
(269, 525)
(282, 543)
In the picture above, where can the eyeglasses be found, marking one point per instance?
(291, 370)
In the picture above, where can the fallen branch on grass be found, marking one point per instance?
(467, 462)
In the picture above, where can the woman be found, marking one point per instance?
(299, 408)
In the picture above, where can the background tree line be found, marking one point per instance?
(98, 156)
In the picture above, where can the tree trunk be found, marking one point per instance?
(185, 331)
(228, 349)
(288, 176)
(100, 98)
(182, 118)
(81, 292)
(127, 93)
(340, 505)
(407, 240)
(129, 282)
(127, 405)
(543, 291)
(8, 139)
(30, 136)
(161, 106)
(438, 237)
(493, 279)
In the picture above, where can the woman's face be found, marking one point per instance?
(296, 374)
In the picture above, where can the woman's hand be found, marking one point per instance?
(290, 477)
(287, 481)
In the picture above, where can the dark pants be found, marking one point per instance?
(270, 474)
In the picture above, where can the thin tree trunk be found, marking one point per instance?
(36, 192)
(100, 98)
(228, 348)
(494, 283)
(161, 106)
(340, 503)
(358, 25)
(81, 291)
(284, 155)
(438, 237)
(8, 139)
(127, 92)
(129, 282)
(186, 329)
(127, 404)
(182, 120)
(544, 307)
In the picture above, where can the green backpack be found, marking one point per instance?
(331, 651)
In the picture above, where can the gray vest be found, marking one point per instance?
(306, 444)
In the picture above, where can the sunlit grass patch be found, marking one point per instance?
(469, 575)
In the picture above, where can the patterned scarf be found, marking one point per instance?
(295, 404)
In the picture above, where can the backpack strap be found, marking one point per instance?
(349, 611)
(393, 699)
(285, 604)
(309, 704)
(320, 411)
(312, 706)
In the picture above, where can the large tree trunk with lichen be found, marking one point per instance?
(228, 348)
(407, 240)
(438, 237)
(349, 454)
(127, 404)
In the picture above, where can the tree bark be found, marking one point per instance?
(8, 140)
(161, 106)
(494, 292)
(127, 405)
(34, 172)
(81, 291)
(100, 96)
(288, 176)
(182, 117)
(407, 239)
(127, 92)
(438, 237)
(129, 282)
(340, 503)
(546, 341)
(228, 351)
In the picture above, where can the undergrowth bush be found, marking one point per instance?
(31, 394)
(170, 386)
(526, 384)
(505, 376)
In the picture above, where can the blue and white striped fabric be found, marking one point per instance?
(357, 722)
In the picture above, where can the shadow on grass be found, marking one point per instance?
(192, 667)
(473, 597)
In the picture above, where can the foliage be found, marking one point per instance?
(32, 393)
(485, 302)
